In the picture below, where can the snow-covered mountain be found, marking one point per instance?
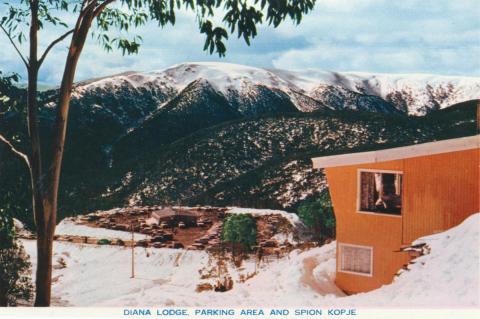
(309, 90)
(223, 134)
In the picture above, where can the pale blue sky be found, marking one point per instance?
(404, 36)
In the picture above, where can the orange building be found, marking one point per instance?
(384, 200)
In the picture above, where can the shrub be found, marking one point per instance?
(7, 230)
(318, 215)
(15, 267)
(240, 229)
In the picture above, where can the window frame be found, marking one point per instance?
(359, 191)
(370, 248)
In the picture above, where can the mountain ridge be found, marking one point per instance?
(413, 94)
(207, 134)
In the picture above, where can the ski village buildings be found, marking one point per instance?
(383, 200)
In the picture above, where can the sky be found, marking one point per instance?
(377, 36)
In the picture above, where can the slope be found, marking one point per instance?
(265, 160)
(447, 276)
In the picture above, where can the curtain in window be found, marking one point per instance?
(356, 259)
(379, 184)
(368, 187)
(398, 184)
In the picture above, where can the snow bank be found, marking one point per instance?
(100, 275)
(69, 227)
(20, 229)
(446, 277)
(291, 217)
(168, 277)
(301, 279)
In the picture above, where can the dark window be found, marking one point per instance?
(381, 192)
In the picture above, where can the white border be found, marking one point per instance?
(359, 171)
(372, 312)
(341, 245)
(391, 154)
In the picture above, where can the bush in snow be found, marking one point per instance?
(318, 215)
(15, 268)
(240, 229)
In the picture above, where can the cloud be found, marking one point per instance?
(383, 60)
(386, 36)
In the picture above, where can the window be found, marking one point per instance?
(356, 259)
(380, 192)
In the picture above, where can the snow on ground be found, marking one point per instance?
(446, 277)
(20, 229)
(283, 237)
(69, 227)
(169, 277)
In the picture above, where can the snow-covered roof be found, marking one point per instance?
(445, 146)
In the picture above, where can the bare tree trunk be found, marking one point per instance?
(43, 282)
(3, 294)
(45, 201)
(42, 217)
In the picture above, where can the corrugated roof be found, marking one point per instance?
(445, 146)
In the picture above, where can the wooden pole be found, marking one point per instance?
(478, 117)
(133, 252)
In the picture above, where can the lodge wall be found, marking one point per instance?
(439, 192)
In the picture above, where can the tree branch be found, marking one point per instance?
(59, 39)
(84, 4)
(101, 7)
(89, 7)
(14, 150)
(14, 45)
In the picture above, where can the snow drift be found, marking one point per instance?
(448, 276)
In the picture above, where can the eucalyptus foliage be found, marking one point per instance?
(216, 19)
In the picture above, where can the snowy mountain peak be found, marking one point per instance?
(410, 93)
(225, 77)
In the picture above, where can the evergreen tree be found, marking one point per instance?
(240, 229)
(318, 215)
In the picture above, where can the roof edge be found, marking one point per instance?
(397, 153)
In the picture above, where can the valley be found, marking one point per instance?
(222, 135)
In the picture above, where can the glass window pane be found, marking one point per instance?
(380, 192)
(356, 259)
